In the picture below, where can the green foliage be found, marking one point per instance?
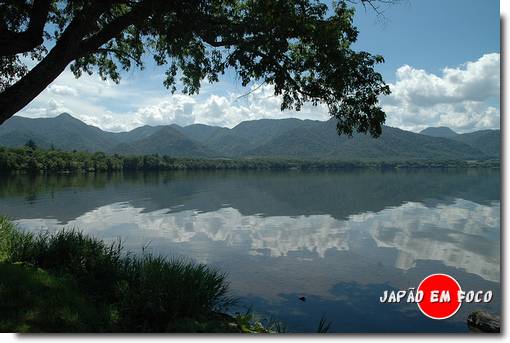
(33, 160)
(153, 285)
(33, 300)
(249, 322)
(125, 293)
(301, 47)
(31, 144)
(12, 241)
(28, 160)
(68, 252)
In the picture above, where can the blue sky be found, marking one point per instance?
(442, 64)
(430, 34)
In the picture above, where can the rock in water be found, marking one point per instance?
(482, 321)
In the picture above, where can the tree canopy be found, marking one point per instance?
(303, 48)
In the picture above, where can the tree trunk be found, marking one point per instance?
(16, 97)
(69, 47)
(20, 94)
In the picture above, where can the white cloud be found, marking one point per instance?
(178, 110)
(227, 110)
(276, 236)
(133, 103)
(459, 98)
(464, 98)
(257, 103)
(54, 108)
(62, 90)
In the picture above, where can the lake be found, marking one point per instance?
(339, 239)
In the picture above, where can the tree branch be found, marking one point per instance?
(12, 43)
(18, 95)
(69, 47)
(112, 29)
(250, 92)
(119, 52)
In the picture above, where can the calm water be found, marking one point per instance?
(337, 238)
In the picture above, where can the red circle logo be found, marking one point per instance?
(440, 296)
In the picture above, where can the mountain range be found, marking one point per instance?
(267, 138)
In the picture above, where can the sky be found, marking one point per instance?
(442, 63)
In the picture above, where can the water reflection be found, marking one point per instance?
(337, 238)
(462, 235)
(339, 194)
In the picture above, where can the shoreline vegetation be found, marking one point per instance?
(32, 159)
(69, 282)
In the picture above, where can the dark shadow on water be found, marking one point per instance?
(339, 194)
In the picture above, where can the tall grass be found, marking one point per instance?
(138, 294)
(13, 243)
(324, 325)
(156, 292)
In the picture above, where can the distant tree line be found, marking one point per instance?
(30, 158)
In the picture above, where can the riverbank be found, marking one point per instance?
(35, 160)
(69, 282)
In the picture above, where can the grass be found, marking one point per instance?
(249, 322)
(324, 325)
(32, 300)
(70, 282)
